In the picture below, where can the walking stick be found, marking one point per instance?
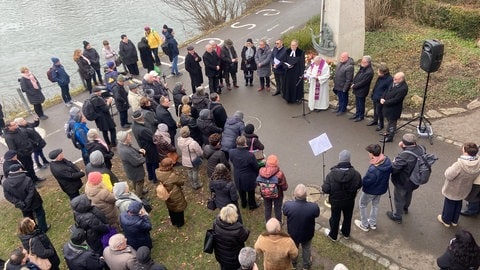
(388, 187)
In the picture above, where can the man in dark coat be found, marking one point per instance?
(402, 167)
(279, 57)
(153, 82)
(9, 158)
(121, 100)
(192, 66)
(217, 110)
(144, 260)
(384, 80)
(361, 86)
(301, 216)
(206, 125)
(392, 101)
(229, 62)
(78, 255)
(173, 52)
(63, 79)
(20, 141)
(129, 55)
(146, 54)
(342, 82)
(212, 68)
(164, 116)
(68, 175)
(19, 189)
(38, 142)
(92, 55)
(296, 67)
(245, 172)
(144, 137)
(104, 120)
(341, 184)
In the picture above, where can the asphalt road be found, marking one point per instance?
(415, 244)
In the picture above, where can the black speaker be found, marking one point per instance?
(432, 55)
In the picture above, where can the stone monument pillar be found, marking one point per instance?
(346, 19)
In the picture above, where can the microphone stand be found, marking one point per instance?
(304, 114)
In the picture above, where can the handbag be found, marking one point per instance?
(209, 241)
(173, 156)
(162, 192)
(43, 264)
(91, 71)
(257, 153)
(196, 162)
(147, 205)
(211, 201)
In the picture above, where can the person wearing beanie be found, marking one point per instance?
(136, 226)
(253, 142)
(301, 215)
(144, 260)
(192, 66)
(92, 55)
(129, 55)
(133, 161)
(9, 158)
(271, 172)
(392, 101)
(124, 197)
(97, 164)
(70, 122)
(101, 198)
(402, 167)
(248, 64)
(78, 254)
(245, 168)
(144, 137)
(162, 142)
(61, 77)
(190, 151)
(111, 74)
(341, 184)
(217, 110)
(233, 128)
(229, 62)
(171, 47)
(68, 175)
(95, 143)
(279, 68)
(153, 41)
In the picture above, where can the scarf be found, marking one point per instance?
(102, 142)
(317, 82)
(249, 53)
(377, 160)
(86, 59)
(29, 76)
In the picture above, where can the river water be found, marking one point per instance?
(34, 31)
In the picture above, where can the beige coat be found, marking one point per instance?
(278, 250)
(104, 200)
(459, 178)
(173, 182)
(195, 150)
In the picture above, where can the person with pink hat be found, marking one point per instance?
(103, 199)
(270, 171)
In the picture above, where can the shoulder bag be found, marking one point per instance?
(211, 201)
(43, 264)
(209, 241)
(257, 153)
(195, 162)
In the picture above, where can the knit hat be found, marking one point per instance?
(250, 40)
(229, 42)
(120, 78)
(78, 236)
(9, 154)
(146, 28)
(238, 114)
(110, 64)
(119, 188)
(74, 111)
(249, 129)
(190, 48)
(165, 26)
(272, 160)
(54, 153)
(162, 127)
(96, 158)
(143, 255)
(85, 44)
(15, 168)
(344, 156)
(134, 207)
(122, 136)
(94, 178)
(166, 164)
(54, 60)
(409, 139)
(137, 115)
(77, 118)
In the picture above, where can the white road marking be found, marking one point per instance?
(268, 12)
(286, 30)
(249, 25)
(273, 27)
(219, 40)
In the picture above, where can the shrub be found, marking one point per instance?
(376, 12)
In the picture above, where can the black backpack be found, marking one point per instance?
(73, 137)
(88, 110)
(423, 167)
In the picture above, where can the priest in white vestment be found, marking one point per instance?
(317, 75)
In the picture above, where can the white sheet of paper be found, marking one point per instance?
(276, 61)
(320, 144)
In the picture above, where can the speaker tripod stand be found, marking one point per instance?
(304, 113)
(424, 128)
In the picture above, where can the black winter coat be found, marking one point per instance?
(301, 216)
(192, 66)
(164, 116)
(93, 56)
(225, 192)
(218, 113)
(342, 183)
(393, 106)
(68, 175)
(38, 142)
(81, 257)
(206, 125)
(250, 61)
(42, 247)
(214, 157)
(257, 145)
(178, 93)
(128, 52)
(19, 141)
(34, 96)
(211, 61)
(381, 85)
(362, 81)
(403, 165)
(195, 133)
(200, 102)
(91, 219)
(245, 168)
(144, 137)
(104, 120)
(83, 68)
(226, 60)
(20, 190)
(281, 55)
(146, 55)
(229, 240)
(121, 97)
(7, 164)
(107, 153)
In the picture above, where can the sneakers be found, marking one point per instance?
(359, 224)
(440, 219)
(346, 237)
(393, 217)
(327, 234)
(327, 203)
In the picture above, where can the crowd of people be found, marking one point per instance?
(226, 144)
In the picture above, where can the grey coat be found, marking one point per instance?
(132, 162)
(343, 76)
(263, 58)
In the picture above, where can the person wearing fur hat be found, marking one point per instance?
(101, 197)
(270, 170)
(144, 260)
(192, 66)
(136, 225)
(229, 62)
(92, 55)
(233, 128)
(190, 150)
(133, 161)
(97, 164)
(68, 175)
(248, 61)
(162, 142)
(95, 143)
(173, 182)
(144, 137)
(341, 184)
(78, 255)
(252, 139)
(60, 76)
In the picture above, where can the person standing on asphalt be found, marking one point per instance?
(342, 82)
(212, 68)
(60, 76)
(279, 57)
(94, 59)
(402, 167)
(121, 101)
(38, 142)
(192, 66)
(154, 41)
(104, 120)
(31, 86)
(262, 59)
(361, 87)
(295, 71)
(172, 51)
(374, 185)
(459, 178)
(128, 52)
(68, 175)
(218, 51)
(392, 101)
(301, 216)
(19, 190)
(84, 68)
(383, 82)
(341, 184)
(229, 62)
(473, 199)
(248, 61)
